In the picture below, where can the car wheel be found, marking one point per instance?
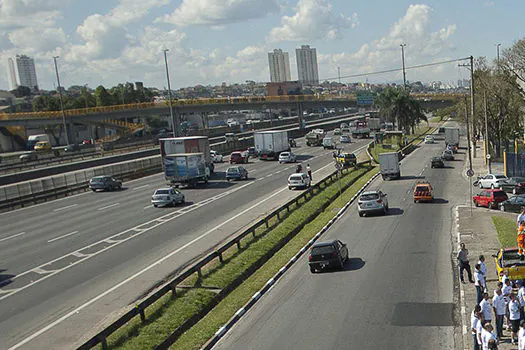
(312, 269)
(227, 179)
(360, 214)
(289, 187)
(502, 208)
(120, 187)
(492, 186)
(155, 205)
(476, 203)
(173, 203)
(491, 205)
(384, 211)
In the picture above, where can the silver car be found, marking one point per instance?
(372, 202)
(287, 157)
(167, 196)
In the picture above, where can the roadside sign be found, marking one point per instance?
(470, 172)
(488, 156)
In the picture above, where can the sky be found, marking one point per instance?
(106, 42)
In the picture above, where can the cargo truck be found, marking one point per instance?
(315, 137)
(188, 144)
(374, 124)
(361, 130)
(452, 136)
(185, 169)
(389, 165)
(269, 144)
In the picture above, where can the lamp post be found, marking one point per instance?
(497, 48)
(174, 125)
(61, 101)
(403, 60)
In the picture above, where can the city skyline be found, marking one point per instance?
(279, 64)
(22, 72)
(214, 41)
(307, 69)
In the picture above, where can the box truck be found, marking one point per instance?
(389, 165)
(315, 137)
(188, 144)
(452, 136)
(374, 124)
(268, 144)
(185, 169)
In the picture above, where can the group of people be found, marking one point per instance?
(299, 169)
(505, 309)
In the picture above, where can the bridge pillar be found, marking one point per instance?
(300, 115)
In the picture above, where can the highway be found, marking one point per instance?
(397, 290)
(72, 265)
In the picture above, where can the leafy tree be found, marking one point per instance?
(396, 105)
(46, 103)
(21, 91)
(102, 97)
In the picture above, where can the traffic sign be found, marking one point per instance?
(488, 156)
(470, 172)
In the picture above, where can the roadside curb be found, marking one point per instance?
(257, 296)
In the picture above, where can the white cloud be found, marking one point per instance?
(312, 20)
(219, 12)
(35, 40)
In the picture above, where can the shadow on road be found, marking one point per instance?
(395, 211)
(303, 157)
(411, 177)
(5, 279)
(354, 264)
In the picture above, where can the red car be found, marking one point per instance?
(239, 157)
(490, 198)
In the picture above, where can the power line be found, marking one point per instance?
(398, 69)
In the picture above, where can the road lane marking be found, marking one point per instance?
(148, 206)
(66, 207)
(60, 237)
(139, 187)
(13, 236)
(109, 206)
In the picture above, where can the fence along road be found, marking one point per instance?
(39, 305)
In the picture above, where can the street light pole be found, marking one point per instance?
(497, 48)
(174, 125)
(61, 101)
(472, 105)
(487, 144)
(403, 60)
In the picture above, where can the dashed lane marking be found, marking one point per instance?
(66, 207)
(13, 236)
(109, 206)
(63, 236)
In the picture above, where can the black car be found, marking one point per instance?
(327, 254)
(516, 185)
(437, 162)
(513, 204)
(104, 183)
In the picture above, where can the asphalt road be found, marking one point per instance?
(396, 292)
(72, 265)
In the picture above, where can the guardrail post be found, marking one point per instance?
(142, 313)
(199, 274)
(219, 254)
(239, 243)
(266, 222)
(173, 288)
(104, 343)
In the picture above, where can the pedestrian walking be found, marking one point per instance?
(483, 267)
(498, 304)
(487, 335)
(309, 171)
(479, 282)
(486, 309)
(521, 217)
(507, 292)
(521, 336)
(521, 297)
(475, 319)
(463, 262)
(514, 313)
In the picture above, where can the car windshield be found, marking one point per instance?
(369, 197)
(285, 154)
(296, 177)
(421, 188)
(436, 159)
(501, 177)
(324, 249)
(162, 191)
(233, 170)
(97, 179)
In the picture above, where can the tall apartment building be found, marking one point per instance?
(279, 66)
(22, 72)
(307, 65)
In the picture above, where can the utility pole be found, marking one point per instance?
(61, 101)
(174, 124)
(468, 148)
(497, 48)
(486, 138)
(339, 78)
(472, 105)
(403, 60)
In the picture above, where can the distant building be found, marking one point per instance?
(22, 72)
(307, 65)
(279, 66)
(139, 85)
(284, 88)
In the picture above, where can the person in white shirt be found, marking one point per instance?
(487, 335)
(498, 304)
(521, 217)
(521, 298)
(521, 336)
(479, 282)
(485, 308)
(474, 321)
(506, 290)
(514, 315)
(483, 267)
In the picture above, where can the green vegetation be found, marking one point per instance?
(506, 230)
(168, 314)
(396, 105)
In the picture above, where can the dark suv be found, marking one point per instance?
(104, 183)
(327, 254)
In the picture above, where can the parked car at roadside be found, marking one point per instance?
(28, 156)
(287, 157)
(331, 254)
(489, 198)
(236, 173)
(104, 183)
(372, 202)
(513, 204)
(167, 196)
(492, 181)
(515, 185)
(298, 180)
(510, 262)
(437, 162)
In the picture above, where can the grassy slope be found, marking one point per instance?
(506, 231)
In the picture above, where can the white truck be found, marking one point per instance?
(452, 136)
(188, 144)
(389, 165)
(185, 169)
(268, 144)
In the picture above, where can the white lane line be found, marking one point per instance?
(13, 236)
(139, 187)
(66, 207)
(146, 269)
(109, 206)
(60, 237)
(148, 206)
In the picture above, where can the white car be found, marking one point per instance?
(344, 139)
(492, 181)
(287, 157)
(216, 157)
(167, 196)
(429, 139)
(298, 180)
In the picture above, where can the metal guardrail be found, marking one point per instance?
(196, 268)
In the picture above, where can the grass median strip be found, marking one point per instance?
(506, 231)
(168, 314)
(206, 328)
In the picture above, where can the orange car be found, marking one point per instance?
(423, 192)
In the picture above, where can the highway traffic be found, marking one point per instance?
(395, 292)
(71, 265)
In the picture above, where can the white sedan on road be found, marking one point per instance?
(167, 196)
(492, 181)
(216, 157)
(429, 139)
(287, 157)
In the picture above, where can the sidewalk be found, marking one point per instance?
(481, 238)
